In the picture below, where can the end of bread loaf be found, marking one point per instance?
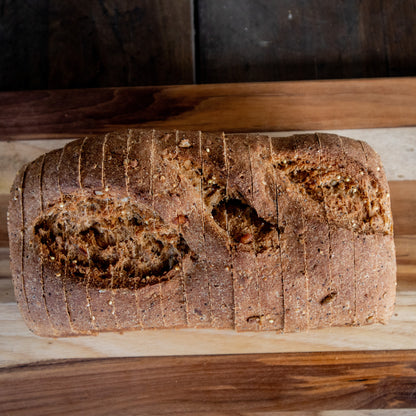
(147, 229)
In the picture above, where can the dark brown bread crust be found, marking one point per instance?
(150, 229)
(341, 256)
(292, 228)
(34, 286)
(55, 290)
(16, 241)
(77, 297)
(197, 290)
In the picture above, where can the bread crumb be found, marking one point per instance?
(246, 238)
(180, 219)
(187, 164)
(184, 143)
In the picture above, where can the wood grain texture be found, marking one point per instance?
(23, 44)
(199, 384)
(270, 40)
(4, 201)
(119, 43)
(218, 387)
(309, 105)
(403, 206)
(76, 44)
(4, 265)
(400, 54)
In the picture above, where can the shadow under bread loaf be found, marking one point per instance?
(148, 229)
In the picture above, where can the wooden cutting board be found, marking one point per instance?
(398, 334)
(34, 122)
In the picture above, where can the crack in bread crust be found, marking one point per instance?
(350, 199)
(107, 230)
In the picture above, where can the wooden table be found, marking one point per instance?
(209, 371)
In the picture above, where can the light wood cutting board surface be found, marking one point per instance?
(397, 334)
(336, 368)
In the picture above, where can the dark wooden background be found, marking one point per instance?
(47, 44)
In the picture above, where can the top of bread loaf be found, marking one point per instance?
(140, 214)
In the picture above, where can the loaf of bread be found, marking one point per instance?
(148, 229)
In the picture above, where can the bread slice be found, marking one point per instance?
(149, 229)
